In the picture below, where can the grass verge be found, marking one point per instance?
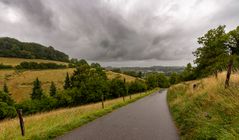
(208, 111)
(55, 123)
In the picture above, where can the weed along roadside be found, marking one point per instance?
(207, 110)
(55, 123)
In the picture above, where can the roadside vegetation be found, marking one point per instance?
(207, 108)
(51, 124)
(208, 111)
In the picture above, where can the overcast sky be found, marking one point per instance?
(118, 32)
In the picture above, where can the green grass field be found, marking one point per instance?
(57, 122)
(207, 112)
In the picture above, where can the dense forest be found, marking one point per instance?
(10, 47)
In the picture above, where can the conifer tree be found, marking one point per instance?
(36, 90)
(5, 88)
(67, 83)
(52, 89)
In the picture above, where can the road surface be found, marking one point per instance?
(145, 119)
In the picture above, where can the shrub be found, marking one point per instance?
(137, 86)
(7, 111)
(2, 66)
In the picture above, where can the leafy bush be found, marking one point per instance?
(2, 66)
(137, 86)
(34, 106)
(7, 111)
(5, 97)
(155, 79)
(117, 88)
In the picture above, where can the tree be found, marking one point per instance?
(174, 78)
(188, 73)
(137, 86)
(117, 88)
(53, 89)
(162, 80)
(151, 80)
(5, 88)
(233, 47)
(37, 92)
(67, 83)
(6, 98)
(218, 52)
(212, 57)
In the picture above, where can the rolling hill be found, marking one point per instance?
(20, 82)
(10, 47)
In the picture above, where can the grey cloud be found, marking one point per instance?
(34, 11)
(119, 31)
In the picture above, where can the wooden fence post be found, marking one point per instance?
(102, 100)
(125, 89)
(19, 112)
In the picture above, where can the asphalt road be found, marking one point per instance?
(145, 119)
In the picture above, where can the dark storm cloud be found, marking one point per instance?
(117, 30)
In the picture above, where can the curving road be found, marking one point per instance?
(145, 119)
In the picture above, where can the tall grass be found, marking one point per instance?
(207, 112)
(51, 124)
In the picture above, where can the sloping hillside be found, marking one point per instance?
(111, 75)
(10, 47)
(204, 109)
(20, 82)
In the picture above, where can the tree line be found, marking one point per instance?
(34, 65)
(88, 84)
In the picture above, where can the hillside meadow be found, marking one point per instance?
(204, 109)
(20, 82)
(48, 125)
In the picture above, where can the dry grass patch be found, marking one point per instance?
(112, 75)
(20, 82)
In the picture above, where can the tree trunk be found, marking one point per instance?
(216, 74)
(229, 70)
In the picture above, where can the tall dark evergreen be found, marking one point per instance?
(37, 92)
(67, 83)
(5, 88)
(53, 89)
